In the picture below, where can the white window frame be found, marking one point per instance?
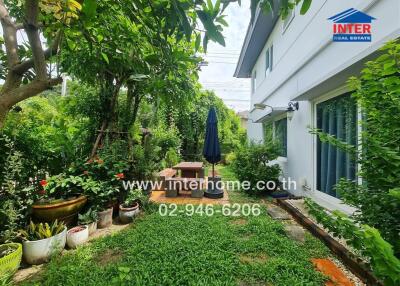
(273, 121)
(270, 52)
(288, 20)
(254, 82)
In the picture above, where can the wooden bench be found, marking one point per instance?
(164, 175)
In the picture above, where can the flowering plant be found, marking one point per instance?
(60, 186)
(102, 179)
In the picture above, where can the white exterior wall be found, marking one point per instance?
(305, 57)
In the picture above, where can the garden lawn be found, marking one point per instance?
(196, 250)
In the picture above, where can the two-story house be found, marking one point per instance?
(299, 77)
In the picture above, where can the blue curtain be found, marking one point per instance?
(336, 117)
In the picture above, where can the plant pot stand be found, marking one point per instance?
(105, 218)
(214, 191)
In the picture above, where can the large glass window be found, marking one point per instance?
(337, 117)
(277, 131)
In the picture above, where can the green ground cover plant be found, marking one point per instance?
(197, 250)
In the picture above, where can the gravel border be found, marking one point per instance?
(300, 206)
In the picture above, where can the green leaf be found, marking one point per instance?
(218, 37)
(197, 43)
(89, 8)
(222, 21)
(205, 43)
(305, 6)
(212, 31)
(216, 7)
(105, 57)
(210, 5)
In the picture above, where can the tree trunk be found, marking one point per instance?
(3, 115)
(107, 117)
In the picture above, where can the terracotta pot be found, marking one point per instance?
(40, 251)
(126, 215)
(65, 211)
(77, 236)
(105, 218)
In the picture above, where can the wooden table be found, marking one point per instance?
(190, 169)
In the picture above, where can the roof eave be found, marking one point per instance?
(257, 35)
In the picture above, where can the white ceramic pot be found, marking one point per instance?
(40, 251)
(77, 236)
(105, 218)
(92, 227)
(126, 215)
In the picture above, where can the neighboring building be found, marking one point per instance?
(297, 61)
(244, 117)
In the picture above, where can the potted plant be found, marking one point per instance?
(102, 186)
(10, 257)
(61, 199)
(77, 236)
(89, 219)
(131, 206)
(41, 241)
(99, 195)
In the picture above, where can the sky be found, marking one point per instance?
(218, 75)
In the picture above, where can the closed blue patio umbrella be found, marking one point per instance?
(212, 151)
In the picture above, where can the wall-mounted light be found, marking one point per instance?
(292, 106)
(261, 106)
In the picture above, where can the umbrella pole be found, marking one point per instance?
(213, 172)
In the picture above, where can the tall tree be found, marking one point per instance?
(26, 72)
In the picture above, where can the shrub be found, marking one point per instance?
(253, 163)
(171, 158)
(16, 195)
(230, 157)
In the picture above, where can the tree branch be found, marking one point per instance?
(10, 36)
(28, 90)
(32, 31)
(28, 64)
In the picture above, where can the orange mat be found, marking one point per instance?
(335, 274)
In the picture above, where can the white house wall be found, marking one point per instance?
(304, 57)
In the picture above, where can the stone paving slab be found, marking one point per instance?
(295, 232)
(277, 213)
